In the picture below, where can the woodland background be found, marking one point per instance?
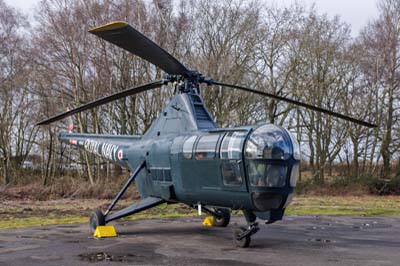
(52, 63)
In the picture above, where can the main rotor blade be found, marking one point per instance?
(309, 106)
(102, 101)
(125, 36)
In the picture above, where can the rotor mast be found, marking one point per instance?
(190, 83)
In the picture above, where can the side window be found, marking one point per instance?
(231, 173)
(188, 147)
(206, 147)
(231, 153)
(231, 147)
(161, 174)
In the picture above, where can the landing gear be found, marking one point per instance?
(241, 240)
(242, 235)
(96, 218)
(223, 217)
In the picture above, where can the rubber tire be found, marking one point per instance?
(226, 217)
(244, 242)
(96, 219)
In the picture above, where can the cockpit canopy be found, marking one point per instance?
(267, 152)
(268, 142)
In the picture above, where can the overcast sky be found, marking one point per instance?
(354, 12)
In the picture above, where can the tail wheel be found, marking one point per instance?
(245, 241)
(96, 219)
(224, 217)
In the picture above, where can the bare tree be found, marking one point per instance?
(381, 40)
(291, 51)
(16, 109)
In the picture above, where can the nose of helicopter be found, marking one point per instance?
(272, 157)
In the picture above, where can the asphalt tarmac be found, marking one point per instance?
(297, 240)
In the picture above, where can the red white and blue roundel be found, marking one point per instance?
(120, 154)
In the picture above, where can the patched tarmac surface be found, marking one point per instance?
(297, 240)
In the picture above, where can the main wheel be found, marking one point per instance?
(225, 217)
(96, 219)
(245, 241)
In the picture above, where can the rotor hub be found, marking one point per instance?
(188, 83)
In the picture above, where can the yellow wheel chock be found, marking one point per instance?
(209, 221)
(105, 231)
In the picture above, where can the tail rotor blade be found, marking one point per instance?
(103, 100)
(125, 36)
(298, 103)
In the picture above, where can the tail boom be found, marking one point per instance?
(109, 147)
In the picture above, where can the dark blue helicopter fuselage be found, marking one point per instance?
(252, 167)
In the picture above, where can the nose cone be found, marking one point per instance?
(269, 142)
(271, 156)
(268, 155)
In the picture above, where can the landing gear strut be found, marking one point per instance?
(222, 216)
(97, 217)
(242, 235)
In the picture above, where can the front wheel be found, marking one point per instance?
(224, 217)
(96, 219)
(245, 241)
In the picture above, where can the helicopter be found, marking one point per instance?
(185, 158)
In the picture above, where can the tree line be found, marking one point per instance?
(52, 63)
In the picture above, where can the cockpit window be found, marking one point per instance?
(268, 142)
(231, 147)
(206, 147)
(231, 155)
(188, 147)
(266, 175)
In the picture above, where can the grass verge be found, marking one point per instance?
(16, 214)
(347, 205)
